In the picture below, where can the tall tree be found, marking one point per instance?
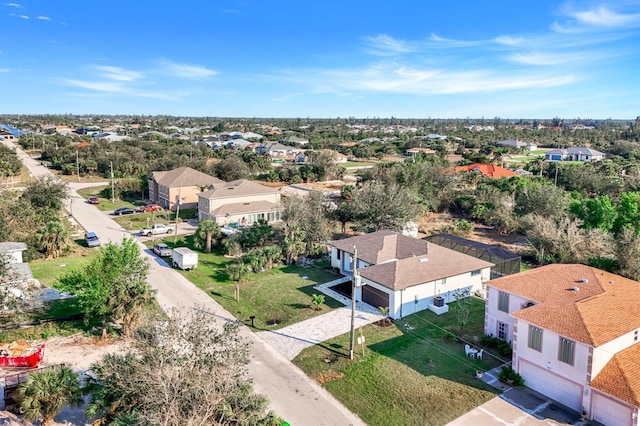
(184, 370)
(45, 393)
(51, 240)
(113, 287)
(378, 206)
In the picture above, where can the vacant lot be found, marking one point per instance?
(412, 373)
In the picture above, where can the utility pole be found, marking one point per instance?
(175, 238)
(112, 183)
(354, 285)
(77, 164)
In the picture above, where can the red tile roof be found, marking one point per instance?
(621, 376)
(577, 301)
(487, 169)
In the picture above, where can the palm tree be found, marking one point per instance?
(294, 243)
(238, 271)
(52, 239)
(317, 300)
(44, 394)
(272, 255)
(207, 231)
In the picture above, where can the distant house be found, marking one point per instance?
(575, 334)
(11, 256)
(488, 170)
(240, 202)
(294, 139)
(275, 149)
(406, 274)
(520, 145)
(574, 154)
(181, 185)
(415, 151)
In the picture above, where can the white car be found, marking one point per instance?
(227, 231)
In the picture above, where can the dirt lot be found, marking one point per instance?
(77, 351)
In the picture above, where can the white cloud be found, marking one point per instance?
(16, 5)
(100, 86)
(509, 41)
(384, 45)
(19, 16)
(192, 72)
(437, 41)
(44, 18)
(603, 17)
(117, 73)
(4, 70)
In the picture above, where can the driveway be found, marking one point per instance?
(295, 397)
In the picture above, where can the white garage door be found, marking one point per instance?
(610, 412)
(557, 388)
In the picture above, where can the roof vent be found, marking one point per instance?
(576, 288)
(423, 260)
(584, 280)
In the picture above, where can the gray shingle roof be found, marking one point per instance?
(184, 176)
(237, 188)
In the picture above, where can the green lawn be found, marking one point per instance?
(280, 294)
(48, 270)
(349, 164)
(411, 374)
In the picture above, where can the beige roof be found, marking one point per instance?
(246, 208)
(237, 188)
(184, 176)
(577, 301)
(399, 262)
(621, 376)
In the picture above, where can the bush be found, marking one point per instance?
(508, 375)
(502, 347)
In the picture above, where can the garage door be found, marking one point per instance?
(557, 388)
(375, 297)
(610, 412)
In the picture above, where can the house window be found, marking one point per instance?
(635, 336)
(503, 301)
(535, 338)
(475, 273)
(443, 281)
(338, 254)
(566, 351)
(503, 331)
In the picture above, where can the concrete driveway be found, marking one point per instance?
(295, 397)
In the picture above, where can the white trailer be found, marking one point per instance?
(184, 258)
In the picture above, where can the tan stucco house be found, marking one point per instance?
(183, 183)
(240, 202)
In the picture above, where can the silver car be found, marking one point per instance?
(162, 250)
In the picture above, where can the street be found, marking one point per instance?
(293, 396)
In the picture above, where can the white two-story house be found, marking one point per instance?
(574, 331)
(407, 274)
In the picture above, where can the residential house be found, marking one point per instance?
(277, 150)
(11, 257)
(240, 202)
(294, 139)
(415, 151)
(181, 185)
(519, 145)
(575, 333)
(488, 170)
(406, 274)
(574, 154)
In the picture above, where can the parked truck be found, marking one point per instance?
(156, 229)
(184, 258)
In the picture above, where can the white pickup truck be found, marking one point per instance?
(156, 229)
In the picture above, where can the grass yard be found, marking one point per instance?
(350, 164)
(279, 294)
(47, 271)
(412, 373)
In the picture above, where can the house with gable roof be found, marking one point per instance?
(575, 334)
(183, 185)
(488, 170)
(240, 202)
(574, 153)
(407, 274)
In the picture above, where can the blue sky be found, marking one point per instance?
(353, 58)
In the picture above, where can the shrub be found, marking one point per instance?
(502, 347)
(508, 375)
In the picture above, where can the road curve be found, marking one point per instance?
(293, 396)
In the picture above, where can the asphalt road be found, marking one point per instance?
(294, 397)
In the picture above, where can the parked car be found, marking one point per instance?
(123, 210)
(156, 229)
(94, 200)
(162, 250)
(150, 208)
(92, 239)
(228, 231)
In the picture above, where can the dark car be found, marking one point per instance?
(150, 208)
(94, 200)
(92, 239)
(123, 210)
(162, 250)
